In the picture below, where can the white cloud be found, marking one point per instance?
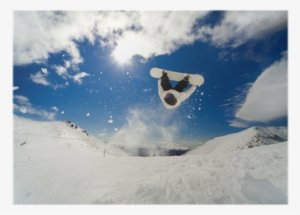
(238, 123)
(22, 100)
(54, 31)
(238, 27)
(40, 78)
(61, 71)
(78, 77)
(67, 64)
(127, 31)
(55, 86)
(164, 31)
(267, 100)
(24, 106)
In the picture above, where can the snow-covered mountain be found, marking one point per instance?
(63, 134)
(249, 138)
(59, 163)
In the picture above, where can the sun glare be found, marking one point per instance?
(121, 55)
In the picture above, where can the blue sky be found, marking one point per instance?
(92, 68)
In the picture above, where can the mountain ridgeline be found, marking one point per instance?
(247, 139)
(67, 130)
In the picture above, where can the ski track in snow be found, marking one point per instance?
(68, 171)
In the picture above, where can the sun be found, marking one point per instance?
(121, 55)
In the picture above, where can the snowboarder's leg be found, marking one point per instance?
(165, 82)
(182, 84)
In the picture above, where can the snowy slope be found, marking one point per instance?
(249, 138)
(50, 170)
(63, 134)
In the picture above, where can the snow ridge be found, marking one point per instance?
(249, 138)
(267, 136)
(60, 133)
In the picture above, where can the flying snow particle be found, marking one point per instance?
(54, 108)
(202, 93)
(23, 110)
(199, 108)
(88, 114)
(110, 88)
(116, 129)
(189, 117)
(147, 90)
(62, 112)
(110, 117)
(15, 88)
(110, 121)
(44, 70)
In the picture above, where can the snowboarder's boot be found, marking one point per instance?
(186, 78)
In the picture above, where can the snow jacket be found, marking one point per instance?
(179, 96)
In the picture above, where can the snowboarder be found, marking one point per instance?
(172, 97)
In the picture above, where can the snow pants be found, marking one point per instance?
(166, 85)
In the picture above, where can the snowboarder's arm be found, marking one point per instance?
(160, 89)
(190, 91)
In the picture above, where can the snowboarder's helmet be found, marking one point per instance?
(170, 99)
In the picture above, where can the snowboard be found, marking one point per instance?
(195, 79)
